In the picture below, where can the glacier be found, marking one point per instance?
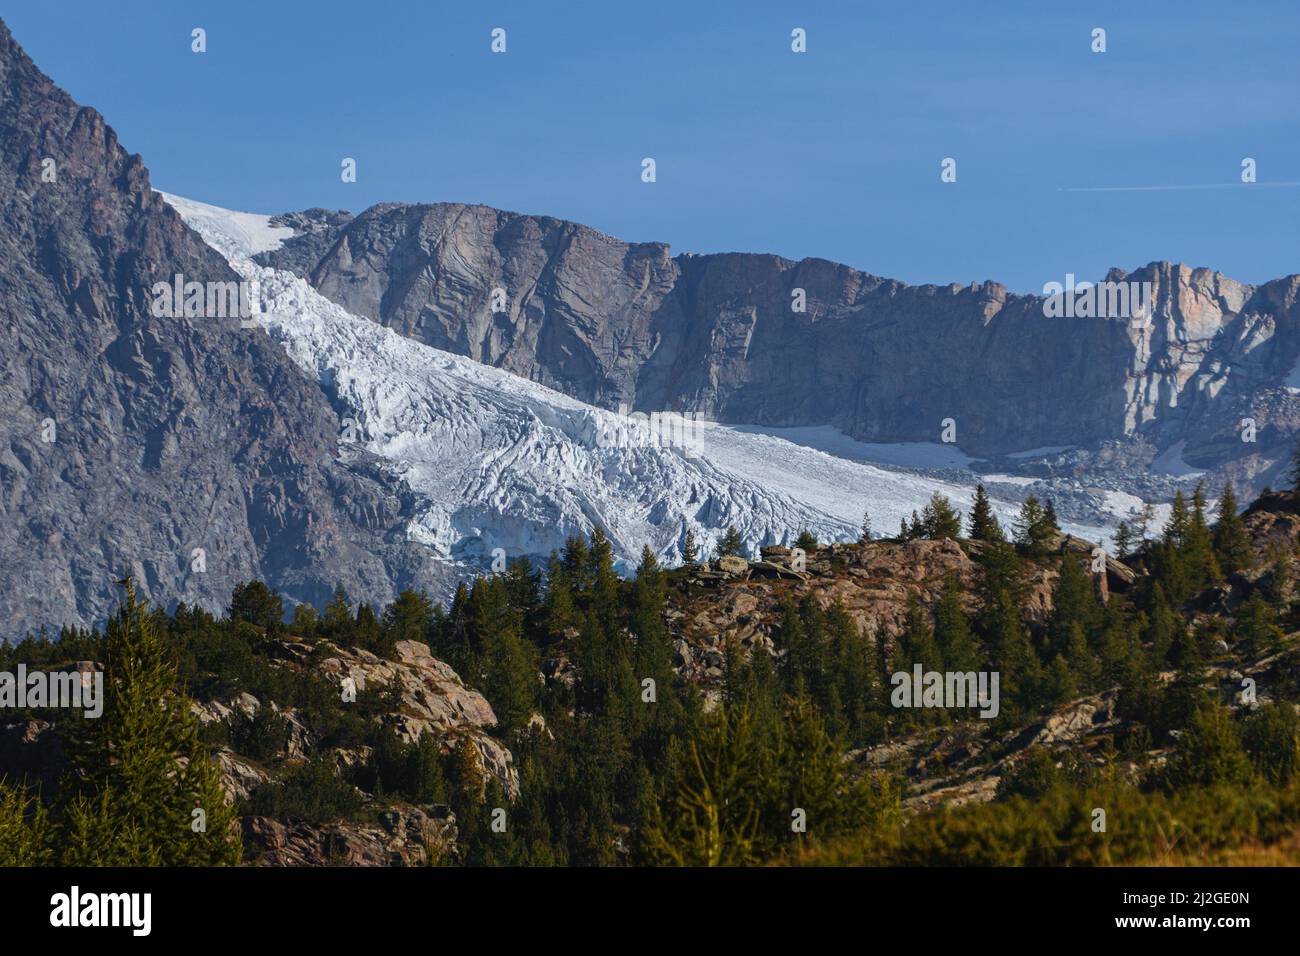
(504, 467)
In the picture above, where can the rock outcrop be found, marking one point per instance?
(432, 699)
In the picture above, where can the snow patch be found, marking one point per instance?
(1170, 462)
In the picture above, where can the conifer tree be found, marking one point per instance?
(139, 768)
(1049, 517)
(798, 658)
(1209, 750)
(258, 605)
(690, 551)
(939, 519)
(952, 630)
(806, 540)
(1198, 545)
(558, 608)
(1163, 627)
(1256, 629)
(708, 810)
(338, 613)
(1178, 523)
(511, 677)
(1146, 517)
(1074, 602)
(24, 828)
(864, 533)
(408, 618)
(916, 644)
(731, 545)
(1230, 542)
(1013, 657)
(1032, 529)
(983, 522)
(654, 653)
(1123, 540)
(856, 685)
(604, 580)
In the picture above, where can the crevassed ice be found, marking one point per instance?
(502, 462)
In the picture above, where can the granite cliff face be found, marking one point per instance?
(611, 322)
(190, 452)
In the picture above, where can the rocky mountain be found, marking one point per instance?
(191, 453)
(612, 323)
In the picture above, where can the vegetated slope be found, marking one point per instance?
(1175, 717)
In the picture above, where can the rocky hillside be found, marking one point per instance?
(189, 451)
(612, 322)
(737, 603)
(413, 694)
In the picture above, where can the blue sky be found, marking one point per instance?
(833, 153)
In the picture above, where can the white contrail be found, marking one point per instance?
(1141, 189)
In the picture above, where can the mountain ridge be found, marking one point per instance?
(617, 323)
(192, 454)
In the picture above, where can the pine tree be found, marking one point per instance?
(952, 631)
(1032, 528)
(1178, 523)
(139, 768)
(864, 534)
(1163, 627)
(558, 608)
(856, 685)
(690, 551)
(1074, 602)
(604, 580)
(708, 811)
(1230, 542)
(806, 540)
(23, 828)
(408, 618)
(1145, 519)
(939, 519)
(468, 778)
(654, 652)
(1198, 545)
(511, 678)
(1256, 629)
(800, 661)
(731, 544)
(1020, 672)
(983, 522)
(258, 605)
(1123, 540)
(1210, 751)
(916, 644)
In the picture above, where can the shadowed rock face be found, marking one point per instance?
(128, 441)
(611, 322)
